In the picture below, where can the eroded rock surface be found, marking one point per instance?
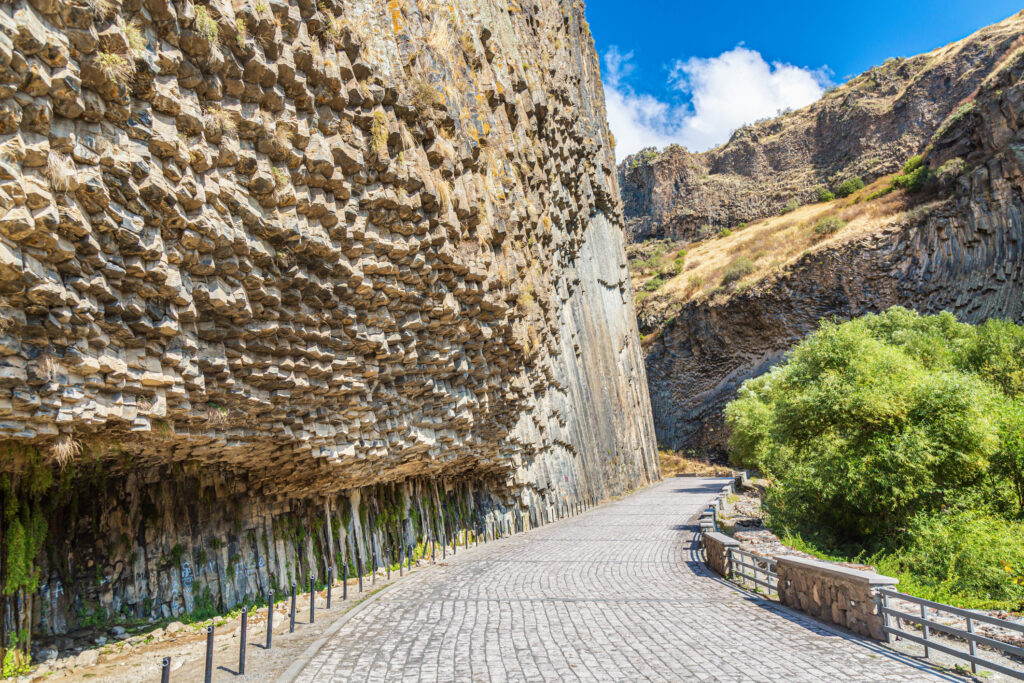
(284, 280)
(960, 250)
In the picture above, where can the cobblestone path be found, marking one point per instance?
(615, 594)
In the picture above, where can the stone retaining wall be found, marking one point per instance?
(840, 595)
(716, 551)
(833, 593)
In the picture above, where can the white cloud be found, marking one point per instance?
(726, 91)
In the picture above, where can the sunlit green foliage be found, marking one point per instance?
(899, 435)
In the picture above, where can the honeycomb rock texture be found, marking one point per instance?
(960, 250)
(273, 263)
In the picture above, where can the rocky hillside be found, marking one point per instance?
(864, 128)
(946, 235)
(290, 284)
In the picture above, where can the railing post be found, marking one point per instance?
(165, 670)
(885, 617)
(924, 627)
(208, 676)
(330, 584)
(312, 599)
(270, 618)
(973, 645)
(344, 580)
(291, 626)
(241, 642)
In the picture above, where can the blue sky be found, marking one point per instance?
(692, 72)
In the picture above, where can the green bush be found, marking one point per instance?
(849, 186)
(915, 175)
(824, 194)
(791, 205)
(739, 268)
(899, 435)
(653, 284)
(828, 225)
(724, 232)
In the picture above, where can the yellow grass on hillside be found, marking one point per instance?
(767, 245)
(677, 465)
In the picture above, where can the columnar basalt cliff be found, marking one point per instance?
(957, 248)
(288, 285)
(866, 127)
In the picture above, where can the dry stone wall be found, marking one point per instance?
(265, 262)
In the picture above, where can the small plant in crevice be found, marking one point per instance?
(116, 68)
(205, 25)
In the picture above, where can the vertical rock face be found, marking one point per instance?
(287, 285)
(959, 250)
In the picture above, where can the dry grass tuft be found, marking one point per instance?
(61, 171)
(65, 449)
(133, 33)
(222, 120)
(117, 68)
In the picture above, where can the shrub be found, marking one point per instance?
(724, 232)
(117, 68)
(823, 194)
(653, 284)
(791, 205)
(741, 226)
(901, 435)
(739, 268)
(828, 225)
(915, 175)
(849, 186)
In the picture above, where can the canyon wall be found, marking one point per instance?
(287, 284)
(960, 250)
(866, 127)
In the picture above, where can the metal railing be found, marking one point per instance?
(763, 572)
(929, 625)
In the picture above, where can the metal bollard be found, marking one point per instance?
(373, 565)
(209, 655)
(444, 546)
(330, 582)
(401, 558)
(344, 580)
(312, 599)
(433, 549)
(270, 618)
(241, 643)
(165, 670)
(408, 558)
(291, 625)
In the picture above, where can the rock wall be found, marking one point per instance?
(961, 250)
(264, 265)
(866, 127)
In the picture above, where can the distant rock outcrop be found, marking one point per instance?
(867, 127)
(961, 249)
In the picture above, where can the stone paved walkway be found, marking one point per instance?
(616, 594)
